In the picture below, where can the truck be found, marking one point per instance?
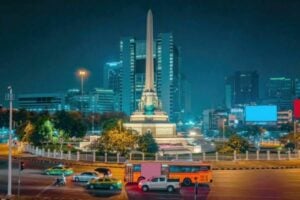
(159, 183)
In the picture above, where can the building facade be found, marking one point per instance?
(297, 88)
(112, 80)
(241, 88)
(280, 92)
(39, 102)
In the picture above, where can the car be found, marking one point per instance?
(105, 183)
(159, 183)
(104, 171)
(59, 170)
(85, 176)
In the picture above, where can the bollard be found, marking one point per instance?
(143, 156)
(247, 155)
(257, 154)
(130, 156)
(94, 155)
(69, 155)
(78, 156)
(54, 153)
(204, 156)
(234, 155)
(118, 157)
(217, 156)
(278, 155)
(268, 154)
(289, 154)
(48, 153)
(105, 157)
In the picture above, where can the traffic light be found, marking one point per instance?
(22, 165)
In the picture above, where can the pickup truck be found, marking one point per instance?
(159, 183)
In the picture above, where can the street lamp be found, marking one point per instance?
(295, 131)
(223, 130)
(82, 73)
(10, 98)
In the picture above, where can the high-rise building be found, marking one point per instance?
(166, 73)
(241, 88)
(38, 102)
(112, 80)
(280, 92)
(96, 101)
(102, 100)
(297, 88)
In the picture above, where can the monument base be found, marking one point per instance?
(158, 130)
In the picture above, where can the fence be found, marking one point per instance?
(94, 156)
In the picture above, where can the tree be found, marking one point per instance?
(72, 123)
(291, 138)
(235, 143)
(24, 131)
(147, 143)
(43, 130)
(118, 139)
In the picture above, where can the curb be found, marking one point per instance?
(255, 168)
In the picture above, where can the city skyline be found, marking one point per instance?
(53, 39)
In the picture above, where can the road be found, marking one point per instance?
(279, 184)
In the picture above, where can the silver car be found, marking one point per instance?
(85, 176)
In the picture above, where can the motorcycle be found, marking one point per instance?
(60, 182)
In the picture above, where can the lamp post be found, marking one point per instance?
(10, 98)
(223, 130)
(82, 74)
(295, 131)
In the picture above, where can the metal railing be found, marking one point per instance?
(94, 156)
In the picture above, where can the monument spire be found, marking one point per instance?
(149, 82)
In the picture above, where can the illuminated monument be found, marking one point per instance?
(149, 116)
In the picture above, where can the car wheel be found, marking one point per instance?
(187, 182)
(111, 187)
(91, 187)
(76, 179)
(145, 188)
(170, 189)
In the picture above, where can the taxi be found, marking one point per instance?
(105, 183)
(59, 170)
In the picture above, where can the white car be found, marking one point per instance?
(85, 176)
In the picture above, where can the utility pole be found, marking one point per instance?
(10, 98)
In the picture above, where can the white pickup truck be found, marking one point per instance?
(159, 183)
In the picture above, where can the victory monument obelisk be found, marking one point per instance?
(149, 116)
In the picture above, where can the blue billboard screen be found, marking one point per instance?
(261, 113)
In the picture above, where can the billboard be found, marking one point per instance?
(261, 113)
(297, 108)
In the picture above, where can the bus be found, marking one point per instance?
(187, 172)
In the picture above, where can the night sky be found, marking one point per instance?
(43, 43)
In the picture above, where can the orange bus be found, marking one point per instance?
(187, 172)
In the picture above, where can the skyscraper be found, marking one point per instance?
(297, 88)
(280, 92)
(166, 72)
(242, 88)
(112, 80)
